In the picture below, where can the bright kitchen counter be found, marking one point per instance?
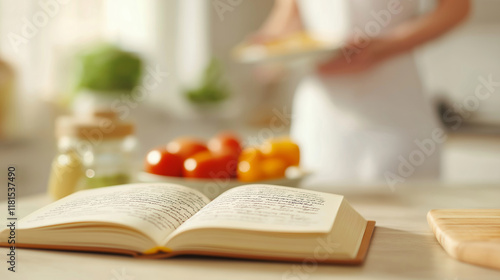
(403, 246)
(467, 158)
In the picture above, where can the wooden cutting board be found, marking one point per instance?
(469, 235)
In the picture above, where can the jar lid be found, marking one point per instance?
(93, 128)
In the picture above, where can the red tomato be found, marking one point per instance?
(159, 161)
(186, 147)
(209, 165)
(225, 142)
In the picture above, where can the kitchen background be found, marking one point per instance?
(38, 62)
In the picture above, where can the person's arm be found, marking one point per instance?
(447, 15)
(403, 38)
(283, 20)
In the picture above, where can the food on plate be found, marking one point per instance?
(161, 162)
(299, 42)
(296, 41)
(274, 168)
(210, 165)
(186, 147)
(225, 142)
(249, 169)
(283, 148)
(223, 156)
(268, 161)
(251, 154)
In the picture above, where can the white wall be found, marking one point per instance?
(452, 65)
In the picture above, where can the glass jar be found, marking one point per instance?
(109, 162)
(93, 152)
(67, 171)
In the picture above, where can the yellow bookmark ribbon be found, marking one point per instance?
(156, 250)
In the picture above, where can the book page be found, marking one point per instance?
(154, 209)
(268, 208)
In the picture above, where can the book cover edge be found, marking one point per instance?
(361, 256)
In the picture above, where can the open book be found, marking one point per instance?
(163, 220)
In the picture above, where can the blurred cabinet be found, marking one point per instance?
(7, 111)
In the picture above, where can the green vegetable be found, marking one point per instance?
(212, 89)
(106, 68)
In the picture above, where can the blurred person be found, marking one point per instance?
(362, 115)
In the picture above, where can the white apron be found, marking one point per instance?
(363, 127)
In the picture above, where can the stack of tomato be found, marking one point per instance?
(223, 157)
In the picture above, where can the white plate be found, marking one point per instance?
(300, 46)
(214, 187)
(258, 54)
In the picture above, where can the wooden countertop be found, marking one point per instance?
(403, 245)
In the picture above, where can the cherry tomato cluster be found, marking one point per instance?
(223, 157)
(193, 158)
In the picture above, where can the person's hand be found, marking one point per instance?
(356, 58)
(403, 38)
